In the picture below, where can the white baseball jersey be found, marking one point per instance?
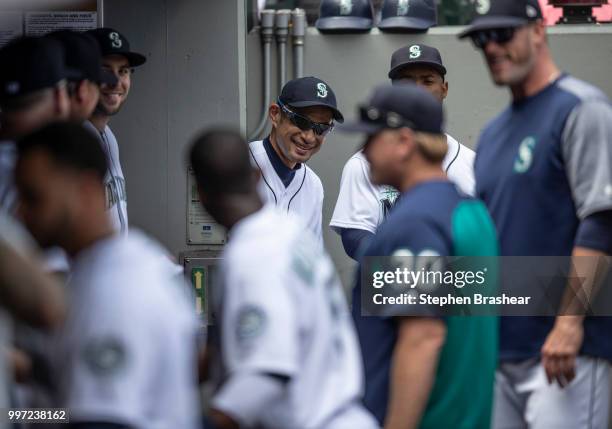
(116, 195)
(282, 311)
(363, 205)
(303, 196)
(127, 350)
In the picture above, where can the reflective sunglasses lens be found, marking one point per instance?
(504, 35)
(301, 122)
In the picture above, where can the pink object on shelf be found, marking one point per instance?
(552, 14)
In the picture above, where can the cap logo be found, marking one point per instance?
(415, 52)
(531, 11)
(346, 7)
(116, 41)
(321, 90)
(402, 7)
(12, 87)
(482, 6)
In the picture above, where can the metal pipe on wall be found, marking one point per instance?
(267, 32)
(282, 34)
(298, 32)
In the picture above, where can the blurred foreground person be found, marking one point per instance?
(125, 357)
(285, 354)
(27, 294)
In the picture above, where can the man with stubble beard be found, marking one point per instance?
(118, 59)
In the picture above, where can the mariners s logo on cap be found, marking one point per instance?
(346, 7)
(402, 7)
(531, 11)
(415, 51)
(116, 40)
(482, 6)
(12, 87)
(321, 90)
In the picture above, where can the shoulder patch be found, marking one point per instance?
(251, 324)
(105, 356)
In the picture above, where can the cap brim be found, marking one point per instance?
(393, 72)
(135, 59)
(492, 22)
(338, 117)
(405, 23)
(360, 127)
(344, 23)
(107, 78)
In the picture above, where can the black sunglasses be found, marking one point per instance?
(497, 35)
(305, 124)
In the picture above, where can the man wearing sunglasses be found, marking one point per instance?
(544, 169)
(361, 205)
(301, 118)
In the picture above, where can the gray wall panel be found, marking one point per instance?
(193, 79)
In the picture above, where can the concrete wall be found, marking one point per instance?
(193, 78)
(353, 64)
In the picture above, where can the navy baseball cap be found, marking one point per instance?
(29, 64)
(399, 106)
(310, 91)
(416, 54)
(345, 16)
(492, 14)
(83, 55)
(416, 15)
(114, 43)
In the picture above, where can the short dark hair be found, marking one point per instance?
(221, 162)
(69, 145)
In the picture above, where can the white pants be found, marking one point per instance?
(524, 399)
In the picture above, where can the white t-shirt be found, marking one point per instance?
(116, 195)
(127, 351)
(303, 196)
(363, 205)
(282, 311)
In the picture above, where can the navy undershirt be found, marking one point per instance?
(285, 173)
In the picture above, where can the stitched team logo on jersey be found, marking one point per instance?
(346, 7)
(387, 199)
(115, 191)
(415, 51)
(482, 6)
(116, 40)
(321, 90)
(524, 157)
(402, 7)
(105, 356)
(251, 323)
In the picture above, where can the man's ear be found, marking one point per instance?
(539, 33)
(274, 113)
(407, 145)
(444, 89)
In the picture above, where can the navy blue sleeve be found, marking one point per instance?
(355, 241)
(595, 232)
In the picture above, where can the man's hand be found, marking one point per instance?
(561, 348)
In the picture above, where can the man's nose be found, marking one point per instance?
(309, 135)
